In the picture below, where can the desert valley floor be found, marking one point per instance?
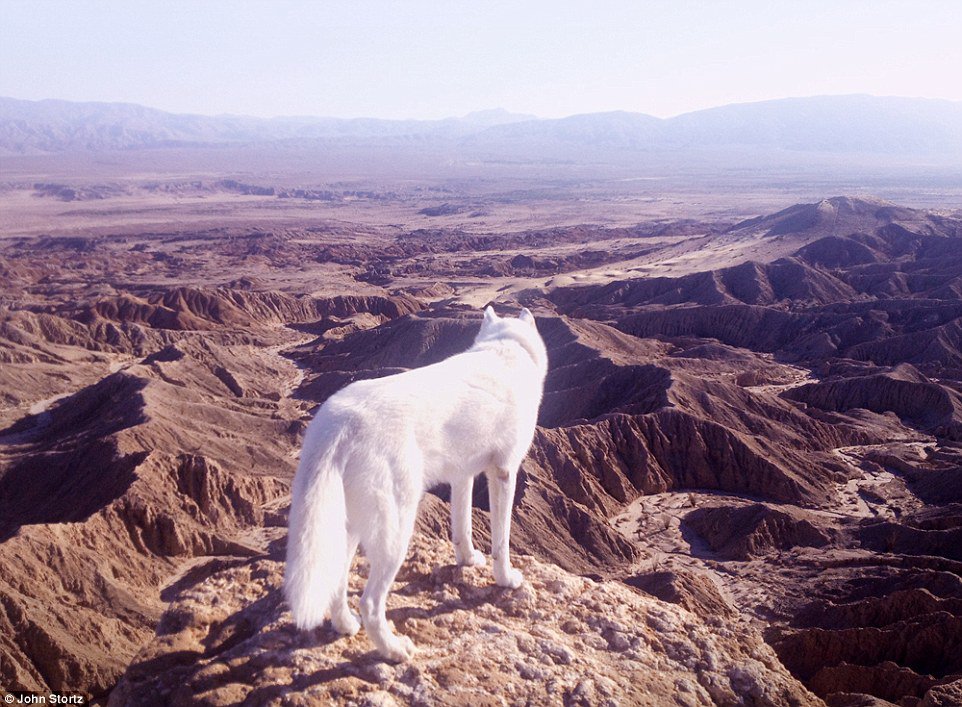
(745, 486)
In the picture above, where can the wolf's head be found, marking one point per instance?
(522, 331)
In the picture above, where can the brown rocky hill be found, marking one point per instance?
(844, 215)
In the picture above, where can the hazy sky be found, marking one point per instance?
(418, 59)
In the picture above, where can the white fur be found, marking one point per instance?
(375, 446)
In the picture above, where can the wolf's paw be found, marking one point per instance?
(474, 559)
(512, 579)
(398, 650)
(346, 624)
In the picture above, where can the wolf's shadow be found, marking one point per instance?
(258, 622)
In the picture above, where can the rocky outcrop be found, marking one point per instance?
(559, 638)
(902, 391)
(943, 695)
(744, 532)
(843, 215)
(890, 630)
(187, 308)
(784, 280)
(928, 646)
(696, 591)
(902, 538)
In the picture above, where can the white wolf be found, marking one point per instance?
(375, 446)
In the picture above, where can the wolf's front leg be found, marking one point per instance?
(464, 552)
(501, 485)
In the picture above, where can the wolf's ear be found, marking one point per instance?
(489, 315)
(527, 316)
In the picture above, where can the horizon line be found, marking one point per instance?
(526, 116)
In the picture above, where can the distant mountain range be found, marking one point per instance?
(821, 124)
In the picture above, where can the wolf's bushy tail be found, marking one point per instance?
(317, 534)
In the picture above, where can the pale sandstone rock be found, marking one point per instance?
(559, 638)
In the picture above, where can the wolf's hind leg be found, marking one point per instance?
(344, 620)
(386, 544)
(464, 551)
(501, 486)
